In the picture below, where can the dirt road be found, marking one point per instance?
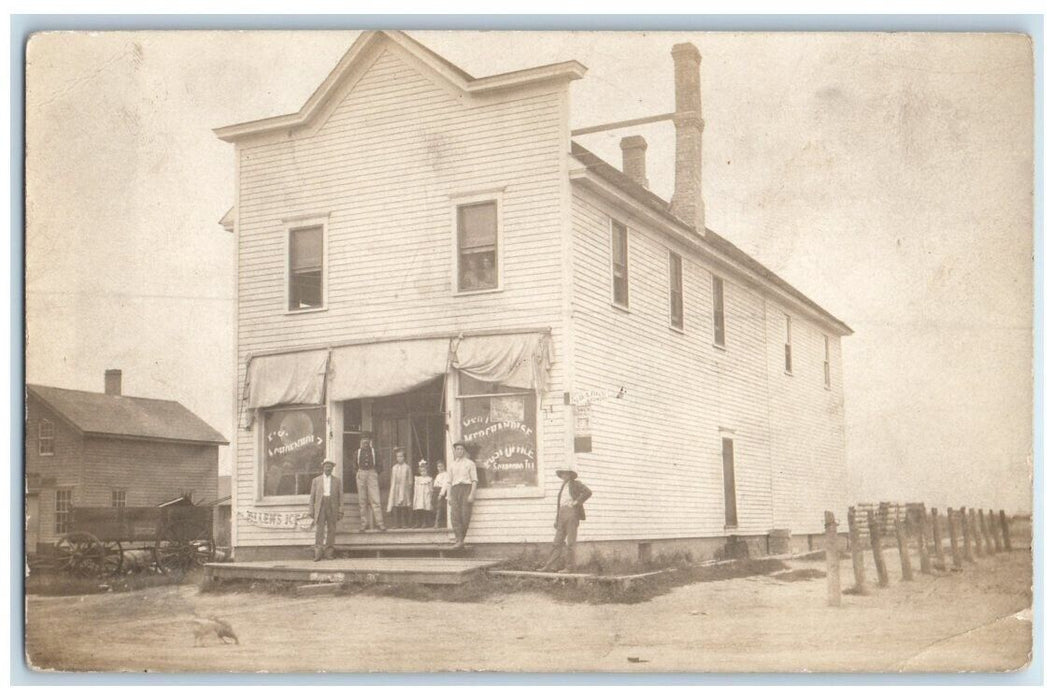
(975, 620)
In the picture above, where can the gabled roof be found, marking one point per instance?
(365, 46)
(659, 206)
(108, 415)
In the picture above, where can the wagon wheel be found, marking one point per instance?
(83, 554)
(183, 545)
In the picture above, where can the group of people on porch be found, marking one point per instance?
(420, 500)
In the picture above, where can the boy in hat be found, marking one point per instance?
(324, 506)
(569, 512)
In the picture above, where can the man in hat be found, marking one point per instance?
(324, 506)
(367, 484)
(463, 480)
(569, 512)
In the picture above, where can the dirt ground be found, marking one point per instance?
(977, 620)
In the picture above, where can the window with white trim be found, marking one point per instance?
(305, 268)
(676, 291)
(45, 438)
(63, 511)
(619, 264)
(719, 310)
(477, 246)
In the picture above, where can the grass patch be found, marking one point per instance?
(799, 575)
(60, 584)
(270, 587)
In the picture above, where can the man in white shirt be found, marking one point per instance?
(463, 480)
(324, 506)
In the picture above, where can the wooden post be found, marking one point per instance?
(857, 553)
(1005, 529)
(953, 538)
(902, 545)
(834, 584)
(938, 541)
(989, 550)
(978, 541)
(876, 550)
(993, 529)
(964, 523)
(920, 541)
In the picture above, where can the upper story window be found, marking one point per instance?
(477, 246)
(827, 362)
(719, 311)
(676, 292)
(45, 438)
(619, 264)
(305, 268)
(788, 365)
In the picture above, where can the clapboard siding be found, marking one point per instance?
(150, 472)
(385, 166)
(61, 470)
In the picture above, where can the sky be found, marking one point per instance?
(886, 176)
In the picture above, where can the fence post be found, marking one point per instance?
(902, 545)
(857, 553)
(953, 538)
(975, 534)
(993, 530)
(989, 550)
(1005, 528)
(964, 523)
(876, 550)
(938, 541)
(920, 540)
(834, 584)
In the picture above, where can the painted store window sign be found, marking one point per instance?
(294, 446)
(498, 423)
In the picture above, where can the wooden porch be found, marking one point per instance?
(428, 570)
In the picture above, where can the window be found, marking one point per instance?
(63, 510)
(676, 292)
(788, 366)
(728, 460)
(827, 362)
(46, 438)
(619, 264)
(477, 246)
(293, 447)
(305, 268)
(719, 311)
(498, 425)
(118, 498)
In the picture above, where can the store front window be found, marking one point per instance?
(498, 424)
(294, 447)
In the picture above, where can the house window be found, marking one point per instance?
(63, 510)
(827, 362)
(719, 311)
(619, 264)
(118, 498)
(728, 460)
(788, 366)
(305, 268)
(499, 426)
(477, 246)
(46, 438)
(294, 447)
(676, 292)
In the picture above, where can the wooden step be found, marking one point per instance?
(422, 536)
(406, 570)
(445, 549)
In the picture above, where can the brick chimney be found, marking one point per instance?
(633, 161)
(687, 201)
(113, 382)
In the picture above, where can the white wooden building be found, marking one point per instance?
(428, 257)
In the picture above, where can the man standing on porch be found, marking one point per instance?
(367, 484)
(324, 506)
(463, 481)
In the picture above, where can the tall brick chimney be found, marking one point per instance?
(687, 201)
(633, 161)
(113, 382)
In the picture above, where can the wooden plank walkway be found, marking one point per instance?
(428, 570)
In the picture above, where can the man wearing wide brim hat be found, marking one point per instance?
(569, 512)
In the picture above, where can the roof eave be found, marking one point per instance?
(152, 438)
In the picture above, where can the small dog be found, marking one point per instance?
(206, 626)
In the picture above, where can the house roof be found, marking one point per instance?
(372, 41)
(98, 414)
(721, 245)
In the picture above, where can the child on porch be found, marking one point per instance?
(440, 488)
(422, 496)
(401, 491)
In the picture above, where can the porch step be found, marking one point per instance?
(403, 549)
(421, 536)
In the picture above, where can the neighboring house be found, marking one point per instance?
(427, 256)
(84, 448)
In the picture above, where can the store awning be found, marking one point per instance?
(293, 378)
(520, 360)
(384, 369)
